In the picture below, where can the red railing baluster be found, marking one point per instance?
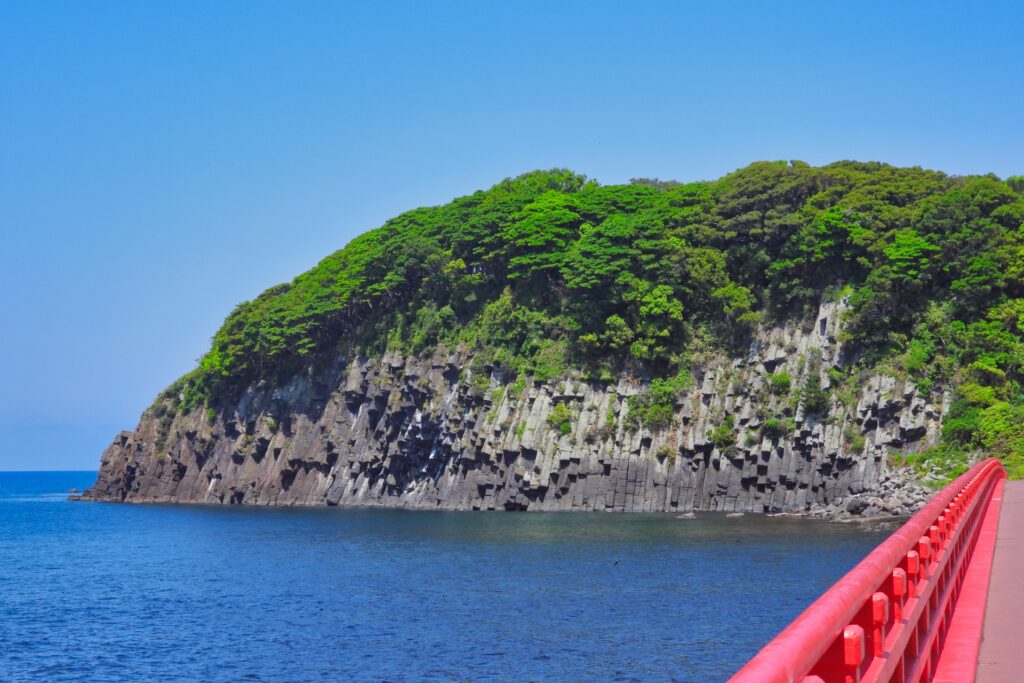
(913, 571)
(853, 653)
(899, 591)
(924, 551)
(879, 618)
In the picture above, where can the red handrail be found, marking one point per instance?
(885, 620)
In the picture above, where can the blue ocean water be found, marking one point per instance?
(107, 592)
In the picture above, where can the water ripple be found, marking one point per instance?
(95, 592)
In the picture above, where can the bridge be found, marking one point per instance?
(939, 600)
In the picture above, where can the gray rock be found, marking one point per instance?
(407, 431)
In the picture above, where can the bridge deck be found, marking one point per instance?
(1002, 644)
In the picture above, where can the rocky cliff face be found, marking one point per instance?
(422, 432)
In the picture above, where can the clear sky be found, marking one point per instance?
(161, 162)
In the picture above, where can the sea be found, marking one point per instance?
(115, 592)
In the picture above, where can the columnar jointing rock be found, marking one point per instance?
(418, 432)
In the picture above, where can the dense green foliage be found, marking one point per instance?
(549, 270)
(987, 356)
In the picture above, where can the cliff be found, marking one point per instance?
(425, 432)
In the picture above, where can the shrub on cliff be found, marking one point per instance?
(815, 400)
(656, 405)
(560, 418)
(775, 429)
(723, 436)
(780, 383)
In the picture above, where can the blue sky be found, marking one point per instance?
(161, 162)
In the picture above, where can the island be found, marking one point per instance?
(786, 339)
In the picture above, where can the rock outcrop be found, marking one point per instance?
(429, 432)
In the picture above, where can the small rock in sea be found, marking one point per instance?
(735, 514)
(688, 515)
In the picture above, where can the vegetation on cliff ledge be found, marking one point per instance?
(549, 270)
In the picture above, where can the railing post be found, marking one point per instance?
(853, 653)
(913, 570)
(879, 618)
(924, 551)
(899, 590)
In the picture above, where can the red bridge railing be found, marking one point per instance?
(887, 618)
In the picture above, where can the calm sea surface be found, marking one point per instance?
(104, 592)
